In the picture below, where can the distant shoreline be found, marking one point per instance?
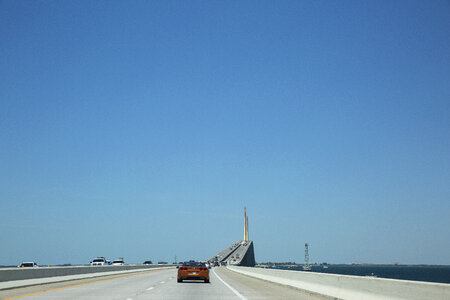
(357, 264)
(420, 272)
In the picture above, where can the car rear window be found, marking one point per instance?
(194, 264)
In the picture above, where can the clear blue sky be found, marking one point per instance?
(140, 129)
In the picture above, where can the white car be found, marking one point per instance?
(118, 262)
(99, 261)
(30, 264)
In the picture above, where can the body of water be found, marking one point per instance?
(405, 272)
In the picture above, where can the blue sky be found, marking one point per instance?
(140, 129)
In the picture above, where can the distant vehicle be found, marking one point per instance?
(31, 264)
(148, 262)
(193, 271)
(99, 261)
(162, 262)
(306, 267)
(118, 262)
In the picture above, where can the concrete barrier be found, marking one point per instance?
(350, 287)
(16, 277)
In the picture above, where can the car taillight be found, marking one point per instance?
(203, 269)
(183, 269)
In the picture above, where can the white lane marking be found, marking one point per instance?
(129, 298)
(150, 288)
(163, 282)
(229, 286)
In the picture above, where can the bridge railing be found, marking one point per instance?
(350, 287)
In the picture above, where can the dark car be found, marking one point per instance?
(148, 262)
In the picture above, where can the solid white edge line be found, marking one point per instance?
(229, 286)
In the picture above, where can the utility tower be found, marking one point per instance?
(306, 266)
(306, 254)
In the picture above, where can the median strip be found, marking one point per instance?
(70, 286)
(6, 285)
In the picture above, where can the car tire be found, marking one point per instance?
(179, 280)
(206, 280)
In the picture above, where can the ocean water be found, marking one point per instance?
(406, 272)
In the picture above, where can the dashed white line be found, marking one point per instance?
(150, 288)
(162, 282)
(230, 287)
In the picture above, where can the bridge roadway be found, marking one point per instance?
(160, 284)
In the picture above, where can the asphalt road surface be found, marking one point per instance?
(160, 284)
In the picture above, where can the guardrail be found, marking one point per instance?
(350, 287)
(11, 274)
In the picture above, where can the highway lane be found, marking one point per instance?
(161, 284)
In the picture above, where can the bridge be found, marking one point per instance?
(157, 284)
(235, 277)
(240, 253)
